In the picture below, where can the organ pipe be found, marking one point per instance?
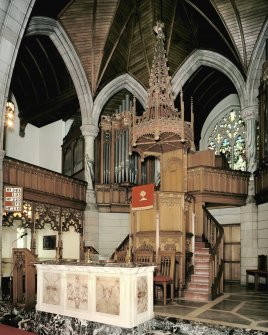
(118, 164)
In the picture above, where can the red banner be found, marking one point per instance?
(143, 197)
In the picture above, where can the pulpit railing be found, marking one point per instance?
(216, 180)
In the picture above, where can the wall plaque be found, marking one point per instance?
(13, 199)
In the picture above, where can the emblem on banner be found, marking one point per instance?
(143, 197)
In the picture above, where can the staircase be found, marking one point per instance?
(207, 280)
(199, 287)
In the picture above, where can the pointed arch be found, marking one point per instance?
(124, 81)
(231, 102)
(14, 21)
(213, 60)
(53, 29)
(255, 67)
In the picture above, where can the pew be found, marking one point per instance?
(260, 272)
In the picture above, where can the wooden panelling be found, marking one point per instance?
(209, 179)
(232, 252)
(44, 185)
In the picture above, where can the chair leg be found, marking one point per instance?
(165, 293)
(172, 291)
(257, 281)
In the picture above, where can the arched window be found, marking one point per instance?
(228, 138)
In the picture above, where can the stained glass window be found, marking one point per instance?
(228, 138)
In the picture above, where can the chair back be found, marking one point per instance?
(262, 262)
(120, 256)
(143, 256)
(166, 264)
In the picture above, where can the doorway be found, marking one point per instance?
(232, 252)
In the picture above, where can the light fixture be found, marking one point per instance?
(10, 114)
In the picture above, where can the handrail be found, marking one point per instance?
(213, 235)
(213, 248)
(123, 243)
(121, 246)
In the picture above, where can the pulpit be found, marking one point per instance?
(24, 285)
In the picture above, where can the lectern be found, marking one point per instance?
(24, 283)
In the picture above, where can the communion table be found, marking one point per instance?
(119, 294)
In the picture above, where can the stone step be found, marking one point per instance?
(201, 258)
(200, 245)
(203, 272)
(201, 278)
(202, 265)
(202, 251)
(196, 295)
(199, 286)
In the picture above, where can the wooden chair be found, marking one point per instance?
(260, 272)
(120, 256)
(164, 277)
(144, 256)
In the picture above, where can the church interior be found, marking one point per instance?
(134, 166)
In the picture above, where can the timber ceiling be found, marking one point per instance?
(114, 37)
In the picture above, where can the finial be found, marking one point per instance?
(158, 28)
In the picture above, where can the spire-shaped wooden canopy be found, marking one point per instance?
(162, 127)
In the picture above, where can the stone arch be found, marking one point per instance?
(124, 81)
(16, 15)
(210, 59)
(231, 102)
(255, 67)
(54, 30)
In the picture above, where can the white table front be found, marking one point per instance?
(120, 295)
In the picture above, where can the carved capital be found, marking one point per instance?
(89, 130)
(265, 72)
(250, 113)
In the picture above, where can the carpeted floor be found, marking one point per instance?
(7, 330)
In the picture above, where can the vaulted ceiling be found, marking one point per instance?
(113, 37)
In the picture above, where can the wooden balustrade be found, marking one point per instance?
(113, 197)
(261, 184)
(213, 235)
(204, 179)
(44, 185)
(211, 180)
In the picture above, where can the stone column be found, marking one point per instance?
(89, 132)
(248, 214)
(91, 215)
(250, 116)
(248, 239)
(2, 155)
